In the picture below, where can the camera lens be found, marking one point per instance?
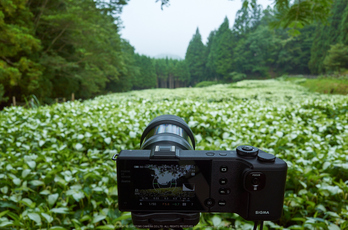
(168, 130)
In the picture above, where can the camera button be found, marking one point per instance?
(209, 202)
(266, 157)
(223, 181)
(222, 202)
(210, 154)
(223, 154)
(224, 191)
(223, 169)
(255, 181)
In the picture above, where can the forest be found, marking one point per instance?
(51, 49)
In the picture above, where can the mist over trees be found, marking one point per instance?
(52, 49)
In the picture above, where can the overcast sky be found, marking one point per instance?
(153, 31)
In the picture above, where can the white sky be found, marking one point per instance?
(153, 31)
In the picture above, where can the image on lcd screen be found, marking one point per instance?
(165, 182)
(159, 185)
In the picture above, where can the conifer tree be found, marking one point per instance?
(331, 34)
(221, 53)
(195, 58)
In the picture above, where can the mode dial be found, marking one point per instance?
(247, 151)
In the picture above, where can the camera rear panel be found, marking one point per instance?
(202, 181)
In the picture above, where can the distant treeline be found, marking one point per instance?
(52, 49)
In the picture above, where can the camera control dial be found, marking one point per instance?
(247, 151)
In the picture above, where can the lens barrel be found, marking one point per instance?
(168, 130)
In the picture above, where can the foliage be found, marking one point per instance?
(333, 33)
(19, 69)
(327, 85)
(297, 14)
(293, 14)
(55, 48)
(195, 58)
(206, 84)
(2, 92)
(146, 77)
(337, 58)
(171, 73)
(234, 76)
(56, 170)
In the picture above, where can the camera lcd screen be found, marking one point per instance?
(163, 185)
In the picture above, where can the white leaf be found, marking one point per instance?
(25, 173)
(80, 136)
(78, 146)
(98, 218)
(326, 165)
(47, 217)
(36, 182)
(216, 220)
(32, 164)
(107, 140)
(279, 134)
(60, 210)
(41, 143)
(45, 192)
(16, 181)
(225, 135)
(4, 189)
(132, 134)
(333, 227)
(52, 199)
(35, 217)
(27, 202)
(198, 138)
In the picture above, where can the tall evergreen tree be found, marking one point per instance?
(210, 57)
(333, 33)
(221, 54)
(195, 58)
(20, 70)
(146, 77)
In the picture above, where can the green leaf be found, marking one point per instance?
(98, 218)
(35, 217)
(52, 199)
(28, 202)
(4, 213)
(61, 210)
(36, 183)
(25, 173)
(48, 218)
(124, 216)
(78, 146)
(32, 164)
(84, 218)
(57, 228)
(109, 226)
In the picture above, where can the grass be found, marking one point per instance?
(56, 170)
(326, 85)
(206, 84)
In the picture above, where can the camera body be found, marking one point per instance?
(247, 181)
(167, 181)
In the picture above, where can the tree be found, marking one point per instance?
(146, 77)
(247, 20)
(20, 70)
(337, 58)
(221, 54)
(195, 58)
(333, 33)
(293, 14)
(182, 74)
(210, 57)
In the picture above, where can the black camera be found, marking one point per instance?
(169, 177)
